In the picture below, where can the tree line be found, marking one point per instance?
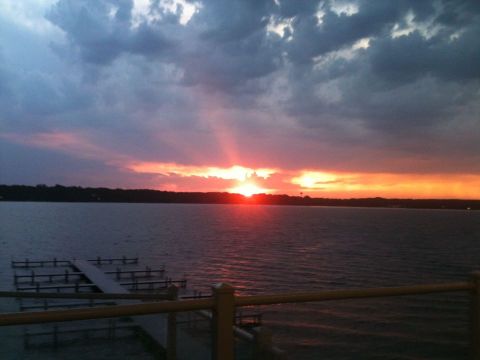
(59, 193)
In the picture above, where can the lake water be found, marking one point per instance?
(268, 249)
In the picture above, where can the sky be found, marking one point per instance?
(321, 98)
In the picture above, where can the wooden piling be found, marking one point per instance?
(263, 344)
(172, 326)
(55, 336)
(475, 316)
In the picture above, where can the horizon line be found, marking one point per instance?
(300, 196)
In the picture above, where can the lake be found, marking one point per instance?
(268, 249)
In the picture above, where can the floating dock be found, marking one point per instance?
(91, 278)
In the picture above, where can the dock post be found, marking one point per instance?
(111, 329)
(475, 316)
(26, 338)
(263, 343)
(239, 317)
(223, 317)
(55, 336)
(172, 326)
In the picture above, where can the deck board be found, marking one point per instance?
(97, 277)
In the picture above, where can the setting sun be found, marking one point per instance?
(247, 189)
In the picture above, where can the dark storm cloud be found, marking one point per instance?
(228, 65)
(5, 84)
(397, 84)
(227, 21)
(101, 31)
(224, 46)
(316, 35)
(231, 47)
(409, 57)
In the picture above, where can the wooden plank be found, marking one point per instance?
(97, 277)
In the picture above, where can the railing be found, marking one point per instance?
(224, 302)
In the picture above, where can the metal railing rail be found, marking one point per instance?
(223, 304)
(89, 296)
(300, 297)
(37, 317)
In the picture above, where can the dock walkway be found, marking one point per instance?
(161, 328)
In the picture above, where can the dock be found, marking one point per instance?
(222, 305)
(156, 326)
(92, 283)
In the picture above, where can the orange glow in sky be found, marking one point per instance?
(235, 172)
(456, 186)
(247, 189)
(315, 179)
(317, 183)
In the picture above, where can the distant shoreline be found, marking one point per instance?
(59, 193)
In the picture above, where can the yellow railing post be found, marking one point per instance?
(223, 317)
(475, 316)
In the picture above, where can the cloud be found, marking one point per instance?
(235, 172)
(396, 91)
(100, 30)
(332, 86)
(75, 144)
